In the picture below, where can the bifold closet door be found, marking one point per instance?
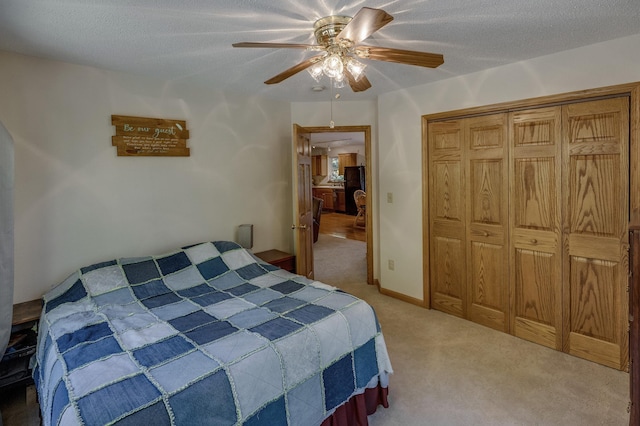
(487, 212)
(447, 217)
(596, 191)
(528, 215)
(468, 203)
(536, 242)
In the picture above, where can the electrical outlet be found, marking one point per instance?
(390, 197)
(391, 265)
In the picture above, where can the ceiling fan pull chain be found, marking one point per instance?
(331, 123)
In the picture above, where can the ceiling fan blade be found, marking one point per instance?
(410, 57)
(358, 86)
(277, 45)
(294, 70)
(366, 22)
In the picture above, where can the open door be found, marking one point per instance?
(367, 142)
(303, 214)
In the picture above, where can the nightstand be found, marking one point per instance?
(14, 367)
(279, 258)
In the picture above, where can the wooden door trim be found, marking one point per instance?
(370, 193)
(630, 89)
(542, 101)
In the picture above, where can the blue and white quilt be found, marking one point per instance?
(207, 334)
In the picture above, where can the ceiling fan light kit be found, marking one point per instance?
(333, 67)
(338, 39)
(355, 68)
(337, 56)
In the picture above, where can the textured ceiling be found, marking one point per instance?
(190, 41)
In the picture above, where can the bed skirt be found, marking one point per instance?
(356, 410)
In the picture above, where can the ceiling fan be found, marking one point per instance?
(338, 39)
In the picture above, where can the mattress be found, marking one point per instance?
(206, 334)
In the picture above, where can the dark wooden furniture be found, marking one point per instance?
(634, 320)
(279, 258)
(14, 367)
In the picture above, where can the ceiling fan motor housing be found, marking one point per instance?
(327, 29)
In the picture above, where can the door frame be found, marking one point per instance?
(367, 154)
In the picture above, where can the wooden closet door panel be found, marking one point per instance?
(447, 217)
(536, 250)
(487, 212)
(448, 274)
(596, 218)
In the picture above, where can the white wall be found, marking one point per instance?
(77, 203)
(399, 137)
(346, 113)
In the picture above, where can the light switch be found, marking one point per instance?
(390, 197)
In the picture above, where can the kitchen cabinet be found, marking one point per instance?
(340, 201)
(346, 160)
(328, 196)
(319, 165)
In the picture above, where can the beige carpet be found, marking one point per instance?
(339, 261)
(449, 371)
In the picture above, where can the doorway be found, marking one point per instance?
(335, 140)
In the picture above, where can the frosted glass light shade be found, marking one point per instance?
(316, 71)
(333, 66)
(355, 68)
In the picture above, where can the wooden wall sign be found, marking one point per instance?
(142, 136)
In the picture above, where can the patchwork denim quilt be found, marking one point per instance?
(207, 334)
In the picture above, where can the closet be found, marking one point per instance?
(528, 213)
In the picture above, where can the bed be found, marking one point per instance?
(207, 334)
